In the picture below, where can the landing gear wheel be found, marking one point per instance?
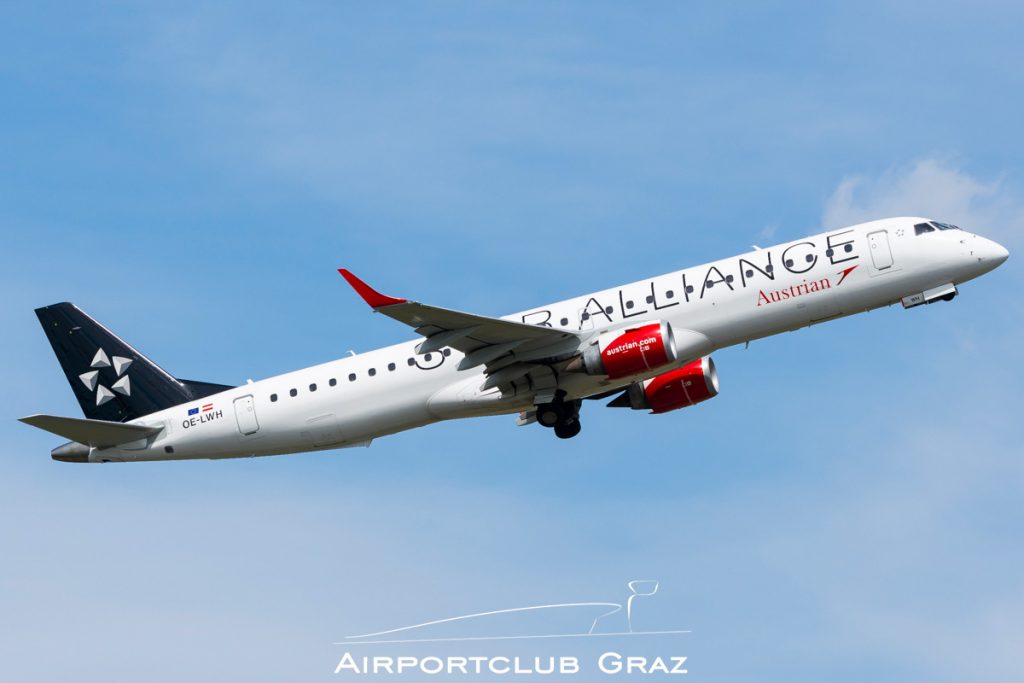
(560, 415)
(551, 414)
(567, 430)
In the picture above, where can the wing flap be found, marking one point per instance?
(95, 433)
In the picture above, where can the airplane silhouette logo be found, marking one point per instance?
(607, 611)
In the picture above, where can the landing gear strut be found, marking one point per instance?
(560, 415)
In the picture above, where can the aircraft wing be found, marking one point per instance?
(509, 350)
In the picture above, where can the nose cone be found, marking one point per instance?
(985, 255)
(992, 253)
(1002, 253)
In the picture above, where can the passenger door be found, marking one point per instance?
(245, 415)
(881, 253)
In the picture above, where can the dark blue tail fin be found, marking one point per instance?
(111, 380)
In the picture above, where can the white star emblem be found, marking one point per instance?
(91, 379)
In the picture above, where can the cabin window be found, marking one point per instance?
(829, 253)
(629, 304)
(352, 377)
(564, 322)
(412, 362)
(769, 268)
(848, 248)
(312, 387)
(809, 258)
(446, 353)
(789, 263)
(709, 284)
(333, 382)
(391, 367)
(649, 299)
(372, 371)
(273, 398)
(689, 289)
(669, 294)
(293, 392)
(168, 449)
(750, 273)
(729, 278)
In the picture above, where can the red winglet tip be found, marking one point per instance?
(370, 295)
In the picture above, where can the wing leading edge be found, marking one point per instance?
(509, 350)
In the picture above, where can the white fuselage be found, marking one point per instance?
(349, 402)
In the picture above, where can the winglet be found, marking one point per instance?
(370, 295)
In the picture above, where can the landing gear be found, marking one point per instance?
(560, 415)
(551, 414)
(567, 430)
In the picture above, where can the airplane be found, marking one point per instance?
(646, 345)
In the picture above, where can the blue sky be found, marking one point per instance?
(193, 174)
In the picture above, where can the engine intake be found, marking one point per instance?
(621, 353)
(679, 388)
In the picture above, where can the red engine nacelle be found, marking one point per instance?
(679, 388)
(622, 353)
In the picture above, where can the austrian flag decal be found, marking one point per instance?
(201, 415)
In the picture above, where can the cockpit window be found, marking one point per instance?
(944, 226)
(922, 228)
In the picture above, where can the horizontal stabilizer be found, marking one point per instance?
(95, 433)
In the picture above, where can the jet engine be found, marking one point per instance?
(620, 353)
(679, 388)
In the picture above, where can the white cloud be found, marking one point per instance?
(933, 187)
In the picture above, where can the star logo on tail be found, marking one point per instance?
(121, 385)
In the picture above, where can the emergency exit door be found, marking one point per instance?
(245, 415)
(881, 254)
